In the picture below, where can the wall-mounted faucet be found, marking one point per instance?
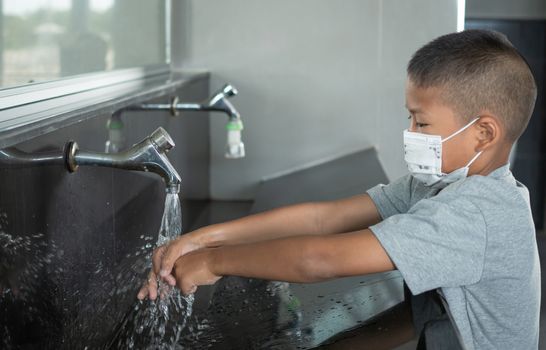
(217, 103)
(147, 155)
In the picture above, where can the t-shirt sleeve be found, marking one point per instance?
(393, 198)
(436, 243)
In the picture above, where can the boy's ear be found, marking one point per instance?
(489, 131)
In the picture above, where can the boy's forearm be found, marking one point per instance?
(350, 214)
(313, 218)
(299, 219)
(303, 258)
(280, 259)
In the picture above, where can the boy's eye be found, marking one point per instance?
(417, 124)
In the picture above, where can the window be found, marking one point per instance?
(44, 40)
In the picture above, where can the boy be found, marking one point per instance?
(458, 224)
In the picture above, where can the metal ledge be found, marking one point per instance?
(37, 109)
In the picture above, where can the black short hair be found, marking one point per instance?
(478, 70)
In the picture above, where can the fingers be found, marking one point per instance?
(164, 291)
(143, 292)
(152, 286)
(171, 281)
(157, 257)
(149, 289)
(169, 257)
(163, 260)
(183, 281)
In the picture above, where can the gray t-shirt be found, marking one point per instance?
(473, 241)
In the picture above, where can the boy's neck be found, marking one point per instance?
(489, 168)
(495, 161)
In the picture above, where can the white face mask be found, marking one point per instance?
(423, 155)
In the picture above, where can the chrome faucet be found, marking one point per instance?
(147, 155)
(217, 103)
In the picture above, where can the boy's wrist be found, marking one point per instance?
(214, 261)
(206, 237)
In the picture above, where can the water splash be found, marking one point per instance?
(158, 324)
(23, 260)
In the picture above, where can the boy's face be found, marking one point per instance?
(430, 115)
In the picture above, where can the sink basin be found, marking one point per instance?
(255, 314)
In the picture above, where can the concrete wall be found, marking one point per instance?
(506, 9)
(317, 78)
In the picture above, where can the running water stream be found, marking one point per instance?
(158, 324)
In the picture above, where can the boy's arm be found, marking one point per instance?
(293, 259)
(316, 218)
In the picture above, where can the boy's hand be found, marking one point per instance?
(149, 288)
(163, 260)
(193, 270)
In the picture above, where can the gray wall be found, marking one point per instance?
(317, 78)
(506, 9)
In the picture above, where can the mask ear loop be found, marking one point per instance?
(461, 130)
(473, 159)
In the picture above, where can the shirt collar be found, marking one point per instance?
(500, 172)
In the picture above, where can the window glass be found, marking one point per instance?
(44, 40)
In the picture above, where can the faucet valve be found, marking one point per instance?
(162, 140)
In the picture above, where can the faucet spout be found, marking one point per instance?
(219, 102)
(147, 155)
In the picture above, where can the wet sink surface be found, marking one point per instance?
(255, 314)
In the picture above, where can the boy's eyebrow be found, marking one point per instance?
(414, 110)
